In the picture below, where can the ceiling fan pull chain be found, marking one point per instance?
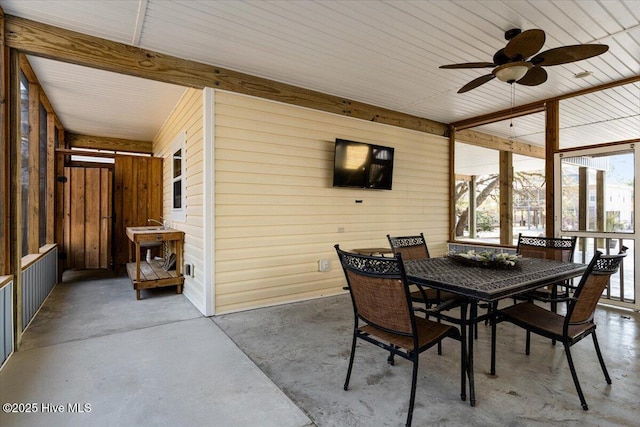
(513, 101)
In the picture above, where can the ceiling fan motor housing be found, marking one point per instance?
(509, 34)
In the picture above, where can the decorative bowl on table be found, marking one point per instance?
(487, 259)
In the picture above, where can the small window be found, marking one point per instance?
(177, 179)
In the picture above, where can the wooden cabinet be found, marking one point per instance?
(151, 274)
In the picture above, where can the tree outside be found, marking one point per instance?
(528, 208)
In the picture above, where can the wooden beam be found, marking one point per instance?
(70, 152)
(583, 194)
(600, 212)
(59, 207)
(452, 184)
(552, 144)
(497, 143)
(69, 46)
(31, 76)
(473, 211)
(597, 88)
(15, 203)
(537, 106)
(603, 145)
(25, 67)
(511, 113)
(506, 198)
(462, 177)
(105, 143)
(51, 177)
(5, 154)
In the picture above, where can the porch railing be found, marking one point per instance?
(621, 287)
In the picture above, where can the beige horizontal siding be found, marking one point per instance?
(187, 117)
(277, 213)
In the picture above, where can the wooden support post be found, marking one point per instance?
(552, 144)
(506, 198)
(34, 169)
(583, 197)
(51, 177)
(452, 184)
(5, 156)
(473, 233)
(600, 217)
(15, 199)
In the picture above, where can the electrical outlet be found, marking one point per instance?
(188, 270)
(324, 265)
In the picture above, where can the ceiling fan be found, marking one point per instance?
(511, 65)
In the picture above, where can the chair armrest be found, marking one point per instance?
(447, 305)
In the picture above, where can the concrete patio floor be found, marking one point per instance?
(158, 362)
(153, 362)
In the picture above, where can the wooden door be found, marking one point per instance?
(88, 216)
(137, 197)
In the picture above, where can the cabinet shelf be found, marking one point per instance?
(151, 274)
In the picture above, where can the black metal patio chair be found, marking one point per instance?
(570, 329)
(384, 316)
(554, 248)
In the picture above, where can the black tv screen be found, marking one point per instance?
(356, 164)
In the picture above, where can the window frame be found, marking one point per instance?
(178, 145)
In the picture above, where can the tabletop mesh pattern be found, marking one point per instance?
(482, 282)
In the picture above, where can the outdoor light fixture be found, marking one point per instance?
(511, 72)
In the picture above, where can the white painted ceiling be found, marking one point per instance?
(384, 53)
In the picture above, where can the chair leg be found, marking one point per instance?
(604, 368)
(527, 349)
(463, 369)
(463, 351)
(575, 377)
(493, 346)
(439, 342)
(391, 359)
(554, 305)
(353, 351)
(474, 326)
(414, 380)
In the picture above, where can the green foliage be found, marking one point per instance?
(485, 221)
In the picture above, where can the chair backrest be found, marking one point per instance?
(558, 249)
(591, 286)
(379, 291)
(411, 247)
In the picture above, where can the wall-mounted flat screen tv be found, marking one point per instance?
(361, 165)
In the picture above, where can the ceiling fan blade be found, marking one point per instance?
(470, 65)
(566, 54)
(525, 44)
(476, 82)
(534, 77)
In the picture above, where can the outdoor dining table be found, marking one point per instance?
(488, 284)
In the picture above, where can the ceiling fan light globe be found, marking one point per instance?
(512, 72)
